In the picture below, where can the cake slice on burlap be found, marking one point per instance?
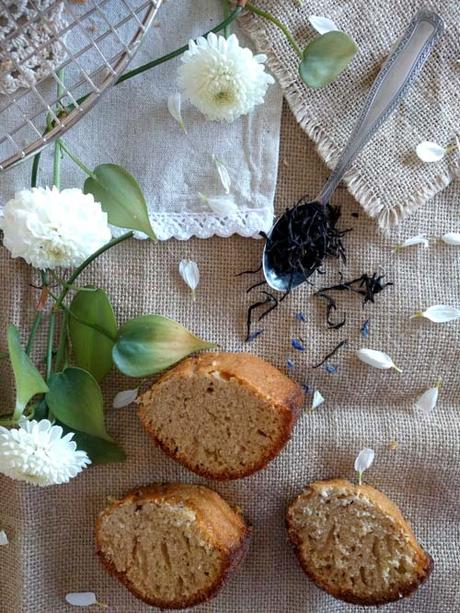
(354, 543)
(173, 546)
(222, 415)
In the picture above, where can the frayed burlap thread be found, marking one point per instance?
(387, 179)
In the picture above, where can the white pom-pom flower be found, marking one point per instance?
(37, 452)
(51, 228)
(222, 79)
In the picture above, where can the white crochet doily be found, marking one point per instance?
(20, 66)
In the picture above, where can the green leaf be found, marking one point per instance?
(120, 197)
(28, 380)
(325, 57)
(151, 343)
(100, 451)
(75, 398)
(92, 349)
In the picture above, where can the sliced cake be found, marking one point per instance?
(172, 546)
(223, 415)
(353, 542)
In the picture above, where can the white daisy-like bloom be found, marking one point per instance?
(222, 79)
(50, 228)
(37, 452)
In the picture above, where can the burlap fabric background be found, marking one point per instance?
(387, 179)
(51, 550)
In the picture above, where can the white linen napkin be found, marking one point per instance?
(131, 126)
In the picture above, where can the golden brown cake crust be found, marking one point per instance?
(387, 506)
(227, 529)
(255, 375)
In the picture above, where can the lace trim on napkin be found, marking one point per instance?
(182, 226)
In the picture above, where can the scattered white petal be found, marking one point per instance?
(222, 205)
(363, 461)
(3, 538)
(223, 174)
(317, 399)
(439, 313)
(322, 24)
(427, 401)
(125, 398)
(174, 107)
(414, 240)
(81, 599)
(451, 238)
(430, 152)
(222, 79)
(39, 453)
(190, 273)
(377, 359)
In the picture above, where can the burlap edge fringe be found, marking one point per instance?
(355, 182)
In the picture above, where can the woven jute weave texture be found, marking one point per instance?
(51, 531)
(387, 179)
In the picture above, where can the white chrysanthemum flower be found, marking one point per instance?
(222, 79)
(49, 228)
(37, 452)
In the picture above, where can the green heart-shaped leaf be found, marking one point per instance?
(120, 197)
(92, 349)
(27, 378)
(75, 398)
(325, 57)
(99, 450)
(149, 344)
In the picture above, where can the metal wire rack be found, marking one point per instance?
(56, 59)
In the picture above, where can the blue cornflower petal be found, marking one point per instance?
(300, 316)
(297, 344)
(330, 368)
(365, 329)
(289, 363)
(253, 335)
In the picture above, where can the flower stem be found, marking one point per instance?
(49, 345)
(87, 262)
(75, 159)
(57, 144)
(35, 325)
(8, 421)
(227, 30)
(62, 345)
(266, 15)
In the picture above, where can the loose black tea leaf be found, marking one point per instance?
(252, 308)
(329, 355)
(331, 306)
(303, 238)
(366, 286)
(249, 272)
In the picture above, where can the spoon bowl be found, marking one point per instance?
(298, 243)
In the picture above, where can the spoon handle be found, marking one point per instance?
(397, 73)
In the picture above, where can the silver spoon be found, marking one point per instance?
(402, 65)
